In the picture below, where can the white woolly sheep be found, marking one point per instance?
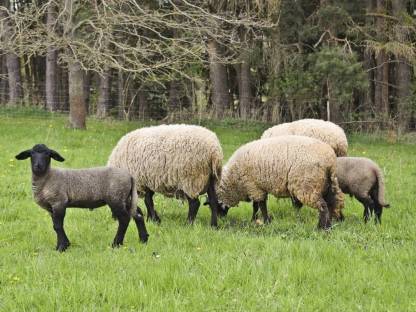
(285, 166)
(362, 178)
(182, 161)
(325, 131)
(56, 189)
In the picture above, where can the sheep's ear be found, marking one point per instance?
(24, 155)
(55, 155)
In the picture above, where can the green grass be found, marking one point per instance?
(287, 265)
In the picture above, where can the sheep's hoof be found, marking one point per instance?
(324, 225)
(144, 238)
(61, 247)
(116, 243)
(155, 219)
(325, 228)
(340, 218)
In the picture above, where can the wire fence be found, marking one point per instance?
(193, 103)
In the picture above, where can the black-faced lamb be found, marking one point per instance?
(362, 178)
(56, 189)
(181, 161)
(324, 131)
(285, 166)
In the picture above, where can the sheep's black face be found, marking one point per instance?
(40, 157)
(41, 160)
(222, 209)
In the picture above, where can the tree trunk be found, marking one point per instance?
(104, 92)
(12, 63)
(219, 79)
(3, 81)
(174, 100)
(244, 89)
(51, 76)
(87, 87)
(27, 85)
(63, 90)
(120, 95)
(381, 97)
(143, 104)
(369, 65)
(403, 73)
(14, 78)
(77, 105)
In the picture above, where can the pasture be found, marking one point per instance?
(286, 266)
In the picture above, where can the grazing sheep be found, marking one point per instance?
(180, 161)
(57, 189)
(284, 166)
(325, 131)
(362, 178)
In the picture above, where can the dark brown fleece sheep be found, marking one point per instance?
(362, 178)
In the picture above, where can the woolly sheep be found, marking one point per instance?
(362, 178)
(57, 189)
(182, 161)
(325, 131)
(285, 166)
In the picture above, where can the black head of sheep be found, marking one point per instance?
(222, 209)
(40, 156)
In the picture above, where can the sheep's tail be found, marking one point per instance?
(216, 167)
(134, 198)
(380, 188)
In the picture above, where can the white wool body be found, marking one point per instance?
(174, 160)
(284, 166)
(325, 131)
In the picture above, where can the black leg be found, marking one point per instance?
(263, 207)
(255, 210)
(151, 212)
(324, 219)
(141, 227)
(58, 216)
(193, 209)
(366, 213)
(296, 203)
(368, 204)
(123, 218)
(213, 202)
(378, 209)
(340, 217)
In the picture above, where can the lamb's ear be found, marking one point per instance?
(55, 155)
(24, 155)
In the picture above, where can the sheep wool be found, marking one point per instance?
(325, 131)
(362, 178)
(285, 166)
(174, 160)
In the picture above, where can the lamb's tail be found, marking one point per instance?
(137, 214)
(380, 188)
(134, 197)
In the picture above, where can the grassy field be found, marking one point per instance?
(286, 266)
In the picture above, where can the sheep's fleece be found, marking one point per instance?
(174, 160)
(284, 166)
(325, 131)
(86, 188)
(358, 176)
